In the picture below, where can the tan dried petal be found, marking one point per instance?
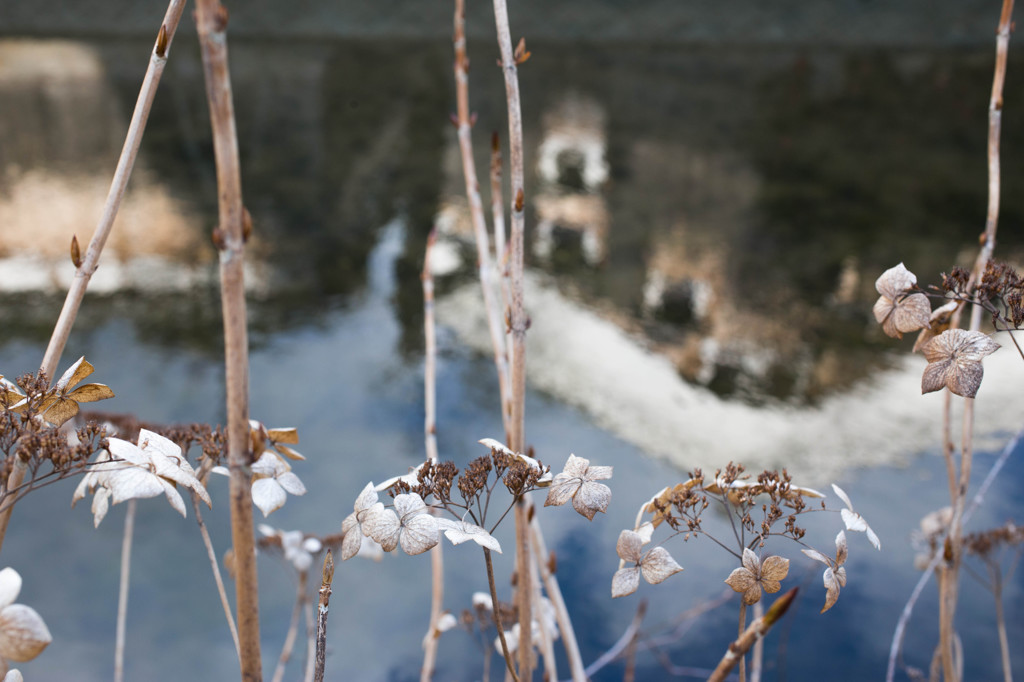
(288, 435)
(629, 545)
(592, 498)
(90, 393)
(23, 634)
(625, 581)
(563, 487)
(74, 374)
(61, 410)
(742, 580)
(895, 281)
(773, 569)
(954, 358)
(658, 565)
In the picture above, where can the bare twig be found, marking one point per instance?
(215, 566)
(497, 621)
(430, 438)
(757, 658)
(122, 595)
(211, 21)
(321, 620)
(547, 644)
(759, 628)
(908, 608)
(88, 265)
(293, 629)
(572, 650)
(476, 211)
(517, 319)
(630, 673)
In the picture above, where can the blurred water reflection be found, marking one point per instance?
(727, 210)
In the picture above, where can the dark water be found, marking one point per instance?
(778, 169)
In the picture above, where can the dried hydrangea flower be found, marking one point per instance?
(446, 622)
(547, 616)
(408, 525)
(835, 573)
(132, 471)
(898, 311)
(576, 482)
(954, 362)
(298, 549)
(366, 506)
(461, 531)
(939, 321)
(272, 482)
(655, 566)
(23, 634)
(855, 521)
(61, 401)
(755, 575)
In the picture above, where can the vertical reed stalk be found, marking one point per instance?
(211, 20)
(476, 212)
(430, 438)
(497, 621)
(757, 629)
(122, 595)
(90, 261)
(572, 649)
(950, 582)
(518, 322)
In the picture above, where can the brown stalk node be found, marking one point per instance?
(520, 200)
(161, 42)
(246, 224)
(76, 253)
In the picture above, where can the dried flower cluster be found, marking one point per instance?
(954, 355)
(757, 509)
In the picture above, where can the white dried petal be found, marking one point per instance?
(269, 464)
(419, 533)
(13, 676)
(408, 505)
(645, 531)
(460, 531)
(10, 586)
(625, 581)
(841, 549)
(817, 556)
(132, 482)
(592, 498)
(100, 506)
(496, 445)
(658, 565)
(383, 526)
(23, 634)
(563, 487)
(482, 600)
(268, 495)
(353, 538)
(291, 483)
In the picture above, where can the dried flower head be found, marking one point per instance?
(754, 574)
(61, 402)
(408, 525)
(898, 310)
(23, 634)
(655, 566)
(273, 439)
(954, 361)
(366, 506)
(272, 482)
(132, 471)
(835, 573)
(298, 548)
(577, 482)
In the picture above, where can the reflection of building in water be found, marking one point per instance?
(63, 128)
(572, 169)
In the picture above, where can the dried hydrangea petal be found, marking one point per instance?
(658, 565)
(628, 545)
(268, 495)
(23, 634)
(625, 581)
(461, 531)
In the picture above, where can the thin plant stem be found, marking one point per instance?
(757, 658)
(498, 210)
(321, 620)
(125, 164)
(572, 649)
(310, 643)
(211, 21)
(908, 608)
(547, 646)
(494, 614)
(293, 629)
(1004, 644)
(430, 444)
(742, 627)
(122, 595)
(757, 629)
(476, 211)
(90, 261)
(630, 673)
(215, 566)
(517, 319)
